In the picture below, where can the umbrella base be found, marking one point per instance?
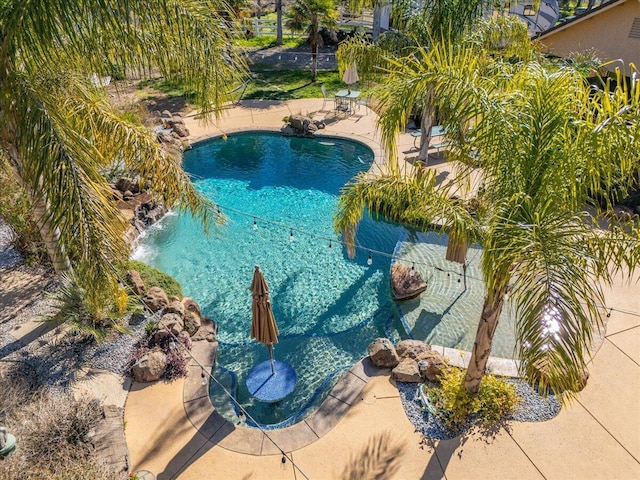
(268, 387)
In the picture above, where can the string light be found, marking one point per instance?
(370, 259)
(204, 380)
(371, 251)
(255, 223)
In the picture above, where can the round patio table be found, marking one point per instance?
(271, 387)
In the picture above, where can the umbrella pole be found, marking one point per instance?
(273, 369)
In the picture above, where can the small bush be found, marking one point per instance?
(152, 277)
(89, 315)
(455, 406)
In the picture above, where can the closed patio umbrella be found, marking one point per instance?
(350, 75)
(263, 324)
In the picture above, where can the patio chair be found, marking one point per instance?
(326, 98)
(364, 102)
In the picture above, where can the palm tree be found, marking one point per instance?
(311, 15)
(544, 146)
(434, 23)
(59, 133)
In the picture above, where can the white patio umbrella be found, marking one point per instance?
(350, 75)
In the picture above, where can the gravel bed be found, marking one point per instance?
(113, 355)
(532, 408)
(9, 256)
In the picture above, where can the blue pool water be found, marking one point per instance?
(328, 307)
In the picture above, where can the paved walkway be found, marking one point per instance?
(172, 431)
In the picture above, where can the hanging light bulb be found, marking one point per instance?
(255, 224)
(291, 236)
(413, 270)
(370, 259)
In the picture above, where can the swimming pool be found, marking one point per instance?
(328, 307)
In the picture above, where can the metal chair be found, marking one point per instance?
(326, 98)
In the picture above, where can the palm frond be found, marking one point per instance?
(415, 201)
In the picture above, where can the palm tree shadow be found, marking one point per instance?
(380, 459)
(444, 450)
(427, 320)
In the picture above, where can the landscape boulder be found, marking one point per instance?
(383, 354)
(135, 281)
(192, 322)
(411, 348)
(207, 331)
(431, 365)
(190, 305)
(180, 130)
(150, 367)
(303, 125)
(171, 322)
(407, 371)
(175, 307)
(155, 299)
(406, 283)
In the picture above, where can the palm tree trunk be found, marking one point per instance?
(426, 122)
(484, 337)
(278, 22)
(49, 235)
(377, 17)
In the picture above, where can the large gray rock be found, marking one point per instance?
(191, 305)
(176, 307)
(405, 284)
(155, 299)
(431, 365)
(171, 322)
(207, 331)
(302, 125)
(383, 354)
(412, 348)
(150, 367)
(192, 322)
(180, 130)
(407, 371)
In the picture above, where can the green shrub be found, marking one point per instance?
(152, 277)
(455, 406)
(89, 315)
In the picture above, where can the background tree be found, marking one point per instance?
(547, 144)
(310, 16)
(59, 133)
(278, 22)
